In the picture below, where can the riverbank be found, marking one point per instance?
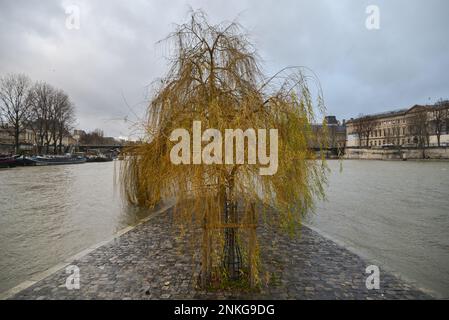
(431, 153)
(149, 262)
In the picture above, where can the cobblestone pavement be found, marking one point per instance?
(148, 262)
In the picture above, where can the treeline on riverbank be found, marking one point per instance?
(35, 112)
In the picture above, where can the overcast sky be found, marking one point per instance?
(107, 64)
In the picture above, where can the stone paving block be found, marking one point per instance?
(151, 261)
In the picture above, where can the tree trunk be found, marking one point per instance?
(16, 140)
(60, 144)
(206, 262)
(252, 246)
(423, 148)
(232, 257)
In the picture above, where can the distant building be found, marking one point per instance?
(5, 135)
(331, 120)
(27, 139)
(405, 127)
(68, 140)
(336, 133)
(77, 134)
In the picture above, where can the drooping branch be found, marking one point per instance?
(215, 77)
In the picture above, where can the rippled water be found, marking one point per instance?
(50, 213)
(396, 213)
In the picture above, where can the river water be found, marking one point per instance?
(393, 213)
(49, 213)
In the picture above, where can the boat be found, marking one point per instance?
(99, 158)
(57, 160)
(24, 161)
(7, 162)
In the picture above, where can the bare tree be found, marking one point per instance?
(439, 118)
(15, 103)
(66, 118)
(2, 120)
(369, 125)
(61, 106)
(419, 128)
(364, 127)
(95, 137)
(359, 129)
(52, 117)
(42, 99)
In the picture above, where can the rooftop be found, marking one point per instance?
(397, 112)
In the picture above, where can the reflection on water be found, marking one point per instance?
(396, 213)
(50, 213)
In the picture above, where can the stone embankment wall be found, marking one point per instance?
(397, 154)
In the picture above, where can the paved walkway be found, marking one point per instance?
(148, 262)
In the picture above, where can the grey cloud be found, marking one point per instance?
(114, 54)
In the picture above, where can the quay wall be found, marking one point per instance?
(397, 154)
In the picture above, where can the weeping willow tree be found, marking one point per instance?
(215, 77)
